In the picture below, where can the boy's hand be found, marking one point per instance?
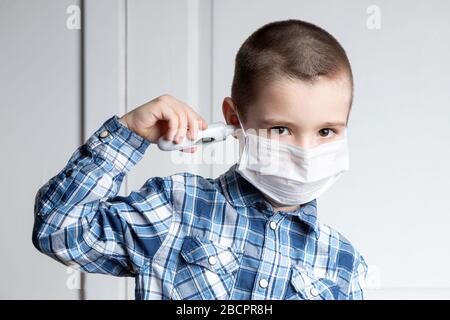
(165, 116)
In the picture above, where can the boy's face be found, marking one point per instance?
(298, 113)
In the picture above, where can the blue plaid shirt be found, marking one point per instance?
(185, 236)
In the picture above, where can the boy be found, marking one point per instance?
(247, 234)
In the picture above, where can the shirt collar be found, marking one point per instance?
(241, 193)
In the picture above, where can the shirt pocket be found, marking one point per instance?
(306, 286)
(206, 270)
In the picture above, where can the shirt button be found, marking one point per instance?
(104, 134)
(263, 283)
(212, 260)
(69, 173)
(273, 225)
(314, 292)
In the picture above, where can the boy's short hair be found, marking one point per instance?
(291, 48)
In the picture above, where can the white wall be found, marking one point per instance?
(391, 204)
(40, 128)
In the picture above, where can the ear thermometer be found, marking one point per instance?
(215, 132)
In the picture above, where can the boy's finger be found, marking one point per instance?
(201, 122)
(172, 123)
(204, 124)
(190, 150)
(182, 126)
(193, 126)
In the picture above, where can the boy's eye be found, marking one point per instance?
(279, 130)
(326, 132)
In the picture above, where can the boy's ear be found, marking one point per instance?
(229, 113)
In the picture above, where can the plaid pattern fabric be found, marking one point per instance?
(185, 236)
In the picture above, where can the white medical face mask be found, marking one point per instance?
(291, 175)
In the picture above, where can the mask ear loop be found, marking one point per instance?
(241, 136)
(240, 122)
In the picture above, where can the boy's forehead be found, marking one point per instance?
(325, 100)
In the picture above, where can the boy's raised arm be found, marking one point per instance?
(80, 221)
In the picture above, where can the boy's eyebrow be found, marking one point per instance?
(333, 124)
(277, 122)
(287, 122)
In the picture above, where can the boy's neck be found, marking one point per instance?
(282, 208)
